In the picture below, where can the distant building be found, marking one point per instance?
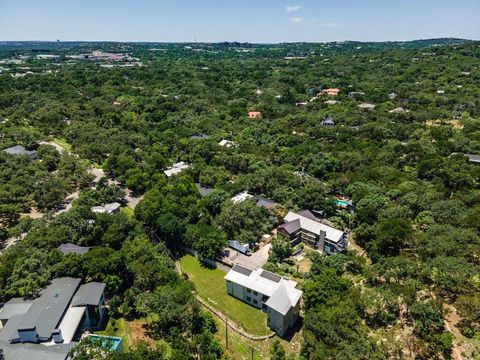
(176, 168)
(356, 93)
(227, 143)
(331, 102)
(106, 209)
(272, 293)
(49, 326)
(70, 248)
(19, 150)
(203, 190)
(199, 137)
(303, 227)
(329, 92)
(266, 203)
(328, 122)
(399, 110)
(241, 197)
(366, 106)
(473, 158)
(254, 114)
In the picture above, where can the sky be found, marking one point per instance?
(256, 21)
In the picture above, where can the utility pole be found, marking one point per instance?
(226, 332)
(252, 351)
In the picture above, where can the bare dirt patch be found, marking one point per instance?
(139, 334)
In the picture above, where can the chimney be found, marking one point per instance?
(321, 240)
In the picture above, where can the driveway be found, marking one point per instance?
(254, 261)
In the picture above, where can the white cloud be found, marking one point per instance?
(293, 8)
(296, 20)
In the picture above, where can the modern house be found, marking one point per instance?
(53, 322)
(70, 248)
(106, 209)
(19, 150)
(176, 168)
(366, 106)
(301, 227)
(272, 293)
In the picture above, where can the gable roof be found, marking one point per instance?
(283, 299)
(291, 227)
(20, 150)
(203, 190)
(473, 158)
(88, 294)
(14, 307)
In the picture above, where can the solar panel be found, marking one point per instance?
(271, 276)
(242, 270)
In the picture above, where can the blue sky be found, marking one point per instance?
(240, 20)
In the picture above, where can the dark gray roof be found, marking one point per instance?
(199, 136)
(88, 294)
(328, 121)
(203, 190)
(35, 351)
(13, 307)
(70, 248)
(242, 270)
(291, 226)
(473, 158)
(308, 214)
(261, 201)
(47, 310)
(20, 150)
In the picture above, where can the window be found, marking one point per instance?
(255, 293)
(255, 302)
(249, 299)
(249, 291)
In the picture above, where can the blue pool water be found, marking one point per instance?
(342, 203)
(110, 343)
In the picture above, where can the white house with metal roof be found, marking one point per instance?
(272, 293)
(176, 168)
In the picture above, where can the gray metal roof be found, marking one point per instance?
(88, 294)
(308, 214)
(47, 310)
(15, 306)
(20, 150)
(35, 351)
(267, 203)
(283, 299)
(70, 248)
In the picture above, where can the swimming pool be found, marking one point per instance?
(110, 343)
(342, 203)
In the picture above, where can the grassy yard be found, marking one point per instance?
(210, 285)
(120, 328)
(63, 143)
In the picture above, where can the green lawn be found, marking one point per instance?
(210, 285)
(121, 329)
(63, 143)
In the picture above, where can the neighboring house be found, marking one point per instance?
(331, 102)
(199, 136)
(254, 114)
(176, 168)
(473, 158)
(328, 122)
(203, 190)
(51, 324)
(303, 227)
(266, 203)
(241, 197)
(272, 293)
(399, 110)
(366, 106)
(329, 92)
(355, 93)
(106, 209)
(19, 150)
(70, 248)
(227, 143)
(301, 103)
